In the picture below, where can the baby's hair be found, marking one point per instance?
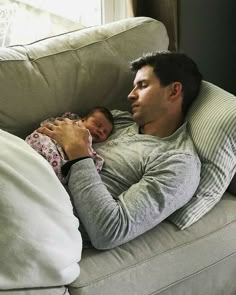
(107, 113)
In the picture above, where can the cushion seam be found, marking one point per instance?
(89, 44)
(74, 49)
(193, 274)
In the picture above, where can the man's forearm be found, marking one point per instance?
(95, 206)
(66, 167)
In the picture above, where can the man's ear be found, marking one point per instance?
(176, 90)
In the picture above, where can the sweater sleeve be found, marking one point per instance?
(167, 184)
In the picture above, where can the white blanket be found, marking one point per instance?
(40, 245)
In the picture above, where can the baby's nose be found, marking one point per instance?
(101, 133)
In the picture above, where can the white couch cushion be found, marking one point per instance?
(40, 244)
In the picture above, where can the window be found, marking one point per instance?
(113, 10)
(24, 21)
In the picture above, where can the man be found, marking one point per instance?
(151, 167)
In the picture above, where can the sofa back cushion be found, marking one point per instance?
(73, 71)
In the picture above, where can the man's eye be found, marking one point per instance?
(144, 85)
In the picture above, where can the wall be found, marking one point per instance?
(164, 11)
(207, 34)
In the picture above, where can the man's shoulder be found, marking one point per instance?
(121, 116)
(122, 119)
(183, 142)
(178, 147)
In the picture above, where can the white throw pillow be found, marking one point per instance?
(40, 244)
(212, 126)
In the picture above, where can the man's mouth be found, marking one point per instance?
(134, 106)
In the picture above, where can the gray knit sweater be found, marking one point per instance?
(144, 180)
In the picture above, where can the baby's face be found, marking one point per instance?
(99, 126)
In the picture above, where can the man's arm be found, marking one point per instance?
(165, 186)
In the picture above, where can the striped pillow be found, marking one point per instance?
(212, 126)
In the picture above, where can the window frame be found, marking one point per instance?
(113, 10)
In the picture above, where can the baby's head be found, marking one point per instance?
(99, 121)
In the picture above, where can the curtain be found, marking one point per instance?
(165, 11)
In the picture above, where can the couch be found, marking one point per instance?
(87, 67)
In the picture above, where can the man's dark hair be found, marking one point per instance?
(172, 67)
(107, 113)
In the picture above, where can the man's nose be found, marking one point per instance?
(132, 95)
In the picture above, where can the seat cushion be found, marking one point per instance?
(163, 257)
(37, 291)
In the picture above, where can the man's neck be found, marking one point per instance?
(161, 128)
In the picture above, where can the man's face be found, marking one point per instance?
(148, 98)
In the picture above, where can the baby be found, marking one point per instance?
(99, 121)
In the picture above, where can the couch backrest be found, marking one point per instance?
(73, 71)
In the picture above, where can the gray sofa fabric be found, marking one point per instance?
(73, 72)
(38, 291)
(166, 258)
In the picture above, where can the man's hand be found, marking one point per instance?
(71, 135)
